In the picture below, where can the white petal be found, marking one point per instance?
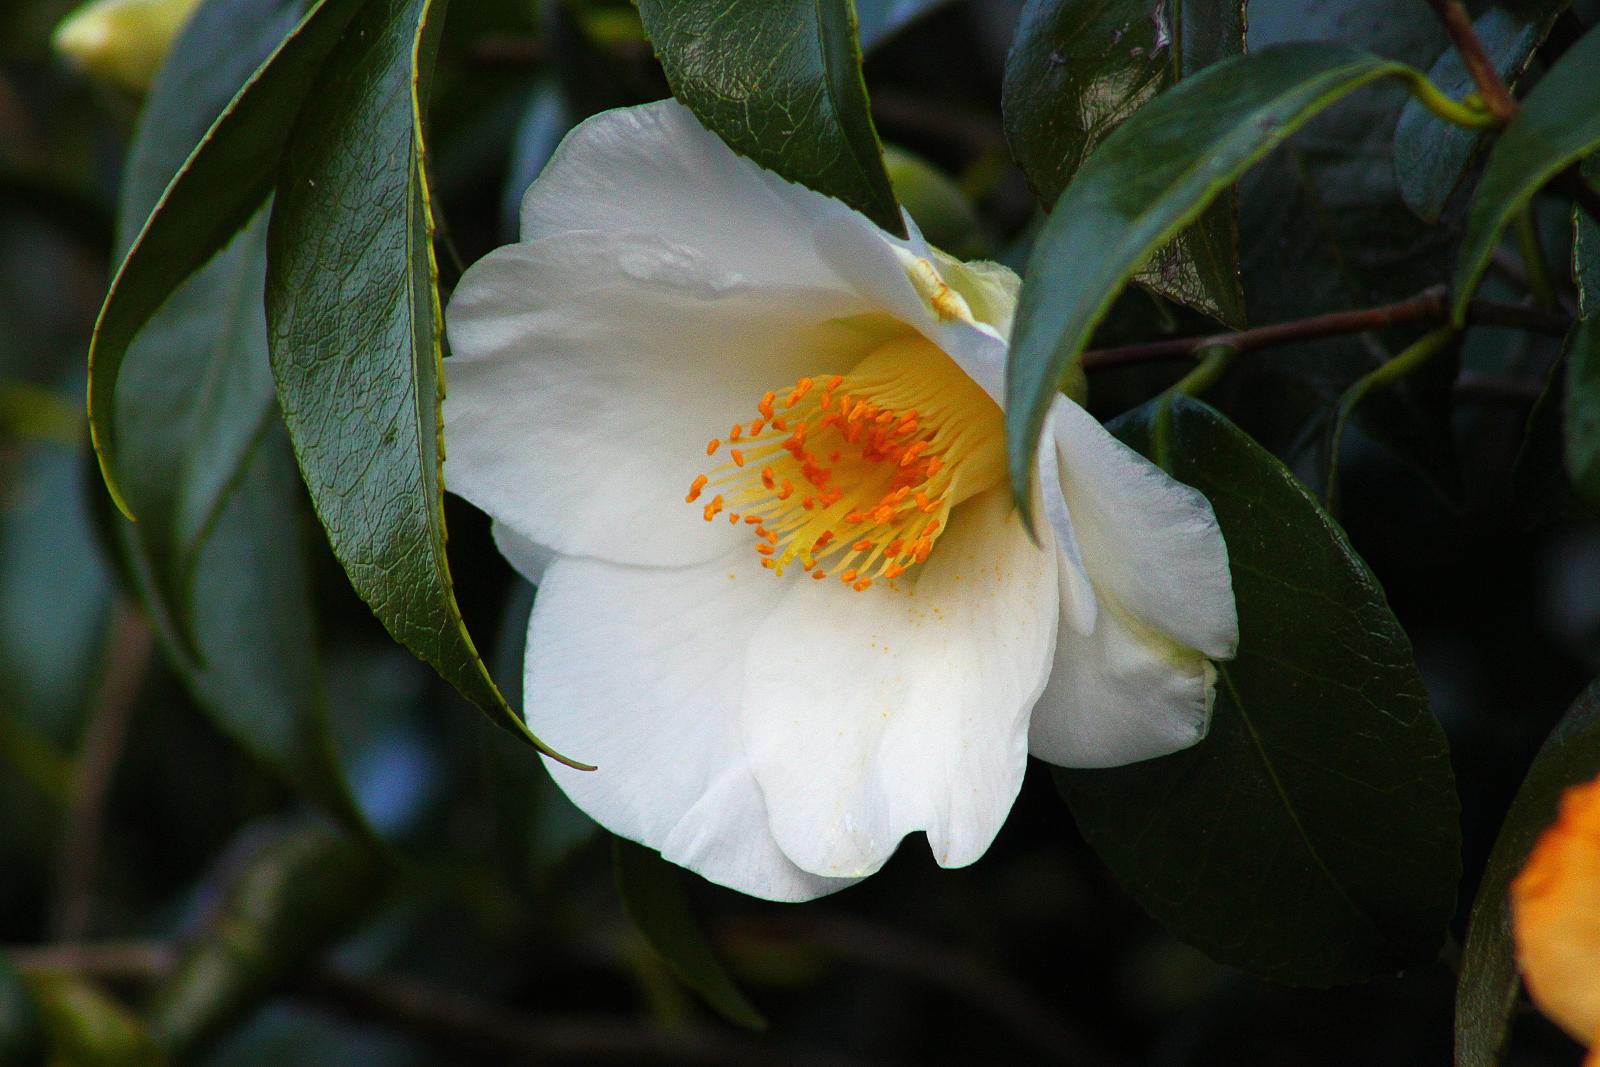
(1150, 544)
(638, 671)
(655, 169)
(527, 558)
(1119, 694)
(872, 715)
(589, 371)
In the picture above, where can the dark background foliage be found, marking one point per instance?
(183, 875)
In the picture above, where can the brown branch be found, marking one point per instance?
(83, 832)
(1428, 306)
(1458, 24)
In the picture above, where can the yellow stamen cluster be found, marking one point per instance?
(854, 476)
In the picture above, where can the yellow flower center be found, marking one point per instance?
(855, 476)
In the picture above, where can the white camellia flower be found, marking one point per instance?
(749, 447)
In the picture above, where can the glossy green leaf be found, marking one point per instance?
(86, 1028)
(1312, 836)
(201, 458)
(1323, 228)
(1077, 70)
(1152, 176)
(780, 82)
(222, 183)
(1486, 992)
(1431, 155)
(353, 308)
(1558, 124)
(653, 892)
(1586, 249)
(255, 667)
(298, 892)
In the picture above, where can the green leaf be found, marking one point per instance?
(86, 1028)
(1312, 836)
(1558, 124)
(1078, 69)
(353, 310)
(1430, 154)
(653, 892)
(219, 555)
(1586, 249)
(255, 668)
(780, 82)
(299, 891)
(1152, 176)
(1486, 992)
(1323, 228)
(222, 183)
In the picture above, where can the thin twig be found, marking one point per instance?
(1428, 306)
(1497, 94)
(1458, 24)
(84, 821)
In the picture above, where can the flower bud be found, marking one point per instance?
(121, 42)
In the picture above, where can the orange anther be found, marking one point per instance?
(733, 518)
(893, 570)
(757, 426)
(787, 490)
(848, 576)
(934, 463)
(834, 383)
(767, 479)
(862, 545)
(737, 457)
(818, 575)
(765, 407)
(894, 546)
(736, 431)
(801, 388)
(712, 446)
(713, 508)
(754, 520)
(698, 484)
(862, 585)
(765, 549)
(779, 425)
